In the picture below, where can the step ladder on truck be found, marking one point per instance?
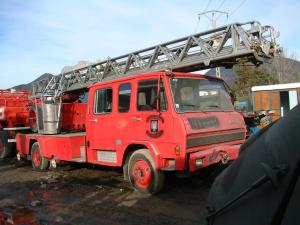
(144, 111)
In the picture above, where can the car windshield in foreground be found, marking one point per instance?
(195, 95)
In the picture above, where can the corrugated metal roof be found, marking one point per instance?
(275, 87)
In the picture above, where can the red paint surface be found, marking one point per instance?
(14, 108)
(142, 174)
(73, 116)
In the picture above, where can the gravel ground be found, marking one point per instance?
(87, 195)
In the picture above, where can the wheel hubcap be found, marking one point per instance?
(142, 174)
(36, 157)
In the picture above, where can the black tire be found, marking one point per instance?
(5, 147)
(142, 174)
(32, 119)
(39, 162)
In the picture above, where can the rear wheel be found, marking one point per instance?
(5, 148)
(142, 173)
(39, 162)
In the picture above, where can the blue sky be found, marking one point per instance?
(39, 36)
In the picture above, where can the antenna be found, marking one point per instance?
(213, 16)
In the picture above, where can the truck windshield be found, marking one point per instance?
(195, 95)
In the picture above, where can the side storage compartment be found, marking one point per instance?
(64, 147)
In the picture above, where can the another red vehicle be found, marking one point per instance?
(147, 124)
(14, 106)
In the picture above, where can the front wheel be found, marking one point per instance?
(39, 162)
(142, 173)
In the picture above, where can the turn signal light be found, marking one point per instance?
(177, 150)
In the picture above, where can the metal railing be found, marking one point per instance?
(223, 46)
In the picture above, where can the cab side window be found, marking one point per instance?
(124, 97)
(147, 96)
(103, 101)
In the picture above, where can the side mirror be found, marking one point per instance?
(233, 97)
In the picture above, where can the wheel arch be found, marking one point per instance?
(31, 142)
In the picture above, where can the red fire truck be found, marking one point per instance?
(123, 112)
(14, 106)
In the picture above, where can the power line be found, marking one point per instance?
(237, 8)
(208, 4)
(226, 19)
(211, 15)
(222, 3)
(198, 21)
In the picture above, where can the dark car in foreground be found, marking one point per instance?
(262, 186)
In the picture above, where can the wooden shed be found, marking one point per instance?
(280, 98)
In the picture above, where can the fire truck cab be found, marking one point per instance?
(147, 124)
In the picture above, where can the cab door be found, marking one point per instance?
(100, 127)
(123, 122)
(153, 121)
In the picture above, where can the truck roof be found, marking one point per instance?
(146, 75)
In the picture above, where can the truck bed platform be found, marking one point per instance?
(62, 135)
(65, 147)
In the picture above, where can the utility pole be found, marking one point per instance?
(213, 16)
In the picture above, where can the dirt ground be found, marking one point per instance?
(87, 195)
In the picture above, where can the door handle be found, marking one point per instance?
(137, 118)
(94, 120)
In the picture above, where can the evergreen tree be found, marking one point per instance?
(249, 76)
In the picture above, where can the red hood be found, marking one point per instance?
(211, 122)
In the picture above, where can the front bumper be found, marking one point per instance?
(204, 158)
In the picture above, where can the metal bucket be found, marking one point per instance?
(51, 116)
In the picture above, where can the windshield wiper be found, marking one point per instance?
(190, 105)
(195, 107)
(213, 106)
